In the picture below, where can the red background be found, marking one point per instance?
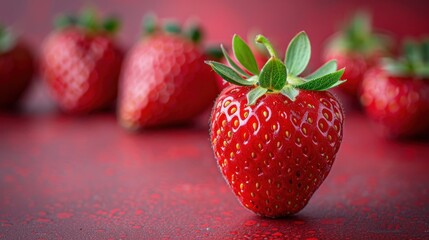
(86, 178)
(280, 20)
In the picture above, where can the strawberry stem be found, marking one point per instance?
(263, 40)
(149, 24)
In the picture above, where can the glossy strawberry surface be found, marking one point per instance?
(165, 82)
(81, 69)
(276, 153)
(399, 106)
(17, 68)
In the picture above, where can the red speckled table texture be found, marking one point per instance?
(65, 177)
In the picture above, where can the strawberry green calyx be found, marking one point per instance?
(358, 36)
(277, 76)
(89, 21)
(213, 52)
(151, 26)
(172, 27)
(7, 40)
(194, 33)
(414, 61)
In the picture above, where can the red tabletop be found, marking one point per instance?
(65, 177)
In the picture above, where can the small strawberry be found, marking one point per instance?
(81, 63)
(165, 80)
(358, 48)
(396, 95)
(16, 68)
(276, 135)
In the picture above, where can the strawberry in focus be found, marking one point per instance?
(396, 94)
(358, 47)
(81, 62)
(165, 80)
(17, 67)
(275, 134)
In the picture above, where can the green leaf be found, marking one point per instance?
(111, 24)
(64, 21)
(229, 74)
(393, 67)
(7, 40)
(213, 53)
(425, 51)
(273, 74)
(255, 94)
(293, 80)
(360, 27)
(88, 20)
(423, 71)
(149, 23)
(232, 63)
(290, 92)
(327, 68)
(194, 33)
(323, 83)
(172, 27)
(244, 55)
(412, 51)
(298, 54)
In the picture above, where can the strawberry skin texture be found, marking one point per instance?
(165, 82)
(398, 106)
(17, 68)
(81, 70)
(276, 153)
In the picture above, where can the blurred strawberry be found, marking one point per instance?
(165, 80)
(396, 95)
(16, 68)
(81, 62)
(357, 48)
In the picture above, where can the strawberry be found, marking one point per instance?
(81, 63)
(396, 95)
(165, 80)
(358, 48)
(275, 136)
(16, 68)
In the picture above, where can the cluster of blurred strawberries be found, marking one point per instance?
(163, 79)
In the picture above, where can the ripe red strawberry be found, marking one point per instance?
(16, 68)
(276, 135)
(165, 80)
(358, 48)
(396, 95)
(81, 63)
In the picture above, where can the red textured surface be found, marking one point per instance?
(86, 178)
